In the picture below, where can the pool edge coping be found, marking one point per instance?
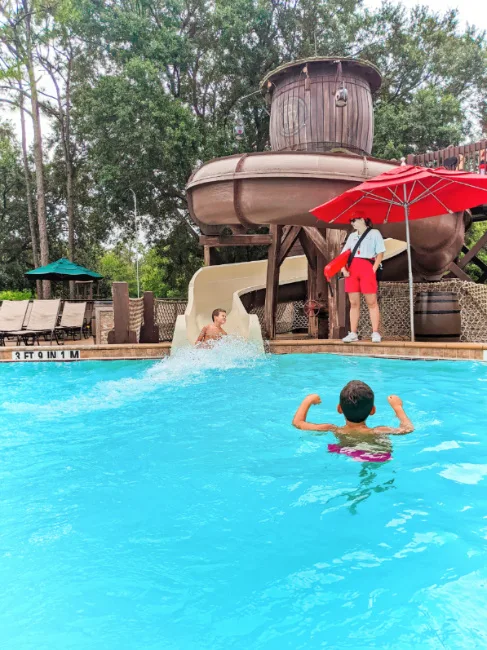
(156, 351)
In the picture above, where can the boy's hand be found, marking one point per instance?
(345, 273)
(395, 401)
(314, 399)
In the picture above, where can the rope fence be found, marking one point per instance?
(290, 316)
(395, 317)
(394, 307)
(165, 315)
(136, 315)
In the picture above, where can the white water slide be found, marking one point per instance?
(221, 286)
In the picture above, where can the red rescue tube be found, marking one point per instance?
(336, 265)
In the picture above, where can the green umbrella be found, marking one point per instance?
(63, 269)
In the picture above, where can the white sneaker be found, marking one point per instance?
(376, 337)
(350, 338)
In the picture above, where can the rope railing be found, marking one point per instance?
(394, 309)
(165, 315)
(290, 316)
(136, 315)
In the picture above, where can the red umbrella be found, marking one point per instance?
(404, 193)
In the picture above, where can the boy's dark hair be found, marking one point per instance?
(357, 401)
(217, 312)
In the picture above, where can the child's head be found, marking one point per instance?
(219, 316)
(356, 401)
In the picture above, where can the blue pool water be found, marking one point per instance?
(173, 506)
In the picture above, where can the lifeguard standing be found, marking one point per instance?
(367, 249)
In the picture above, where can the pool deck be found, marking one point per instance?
(390, 349)
(85, 350)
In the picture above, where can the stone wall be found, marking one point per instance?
(104, 323)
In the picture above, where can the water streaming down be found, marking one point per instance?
(171, 505)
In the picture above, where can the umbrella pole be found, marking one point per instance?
(410, 267)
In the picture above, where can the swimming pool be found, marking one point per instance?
(172, 506)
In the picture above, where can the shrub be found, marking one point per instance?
(26, 294)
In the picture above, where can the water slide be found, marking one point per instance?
(222, 286)
(321, 144)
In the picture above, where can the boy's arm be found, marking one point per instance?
(299, 419)
(405, 424)
(202, 335)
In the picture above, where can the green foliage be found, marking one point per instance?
(473, 234)
(157, 86)
(118, 265)
(177, 258)
(15, 250)
(16, 295)
(166, 268)
(429, 121)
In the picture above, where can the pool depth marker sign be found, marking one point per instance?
(45, 355)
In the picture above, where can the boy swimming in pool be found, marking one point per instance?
(356, 405)
(214, 330)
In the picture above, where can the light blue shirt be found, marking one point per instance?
(371, 245)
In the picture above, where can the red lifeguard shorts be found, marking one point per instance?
(362, 277)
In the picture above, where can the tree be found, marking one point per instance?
(141, 92)
(19, 40)
(137, 136)
(28, 185)
(15, 249)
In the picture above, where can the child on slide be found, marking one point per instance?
(214, 330)
(355, 438)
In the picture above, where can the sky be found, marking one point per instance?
(473, 12)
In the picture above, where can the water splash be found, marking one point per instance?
(186, 366)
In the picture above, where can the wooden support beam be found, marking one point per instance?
(343, 310)
(149, 332)
(478, 262)
(312, 295)
(473, 251)
(321, 295)
(288, 240)
(458, 272)
(334, 239)
(318, 240)
(121, 332)
(236, 240)
(209, 255)
(272, 284)
(308, 249)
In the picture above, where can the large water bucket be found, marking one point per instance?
(304, 111)
(437, 316)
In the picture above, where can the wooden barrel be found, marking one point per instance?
(304, 114)
(437, 316)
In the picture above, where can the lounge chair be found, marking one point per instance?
(12, 315)
(42, 322)
(72, 320)
(88, 318)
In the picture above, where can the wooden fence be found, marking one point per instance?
(466, 157)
